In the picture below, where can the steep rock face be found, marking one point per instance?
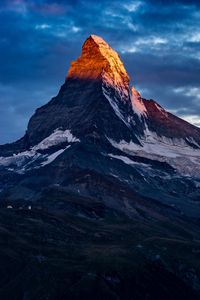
(94, 100)
(167, 124)
(99, 62)
(98, 59)
(163, 123)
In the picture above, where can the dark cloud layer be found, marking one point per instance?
(159, 42)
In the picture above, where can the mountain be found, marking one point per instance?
(97, 114)
(111, 177)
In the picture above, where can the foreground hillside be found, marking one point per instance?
(79, 249)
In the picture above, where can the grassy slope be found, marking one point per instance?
(56, 255)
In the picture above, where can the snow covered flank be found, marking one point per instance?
(176, 152)
(57, 137)
(23, 161)
(53, 156)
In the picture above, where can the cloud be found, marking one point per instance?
(189, 92)
(195, 37)
(132, 6)
(75, 29)
(42, 26)
(151, 40)
(194, 119)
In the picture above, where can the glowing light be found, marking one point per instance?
(99, 59)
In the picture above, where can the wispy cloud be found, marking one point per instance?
(75, 29)
(193, 119)
(195, 37)
(42, 26)
(133, 6)
(151, 41)
(189, 91)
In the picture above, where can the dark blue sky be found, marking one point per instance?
(159, 42)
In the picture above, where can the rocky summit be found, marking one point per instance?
(100, 199)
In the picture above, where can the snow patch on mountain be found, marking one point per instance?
(174, 151)
(160, 146)
(53, 156)
(27, 158)
(127, 160)
(57, 137)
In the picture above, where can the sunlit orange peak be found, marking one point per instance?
(99, 60)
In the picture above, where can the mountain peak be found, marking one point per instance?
(98, 40)
(99, 61)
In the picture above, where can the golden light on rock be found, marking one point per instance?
(96, 60)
